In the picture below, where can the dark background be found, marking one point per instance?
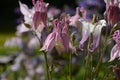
(8, 16)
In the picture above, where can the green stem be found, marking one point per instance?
(47, 67)
(100, 59)
(91, 66)
(70, 66)
(104, 49)
(88, 64)
(88, 67)
(50, 75)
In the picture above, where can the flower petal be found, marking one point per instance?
(96, 35)
(87, 28)
(74, 20)
(115, 52)
(49, 42)
(65, 41)
(24, 9)
(59, 45)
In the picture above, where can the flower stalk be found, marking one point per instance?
(70, 66)
(47, 67)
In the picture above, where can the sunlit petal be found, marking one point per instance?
(96, 34)
(114, 53)
(49, 42)
(24, 9)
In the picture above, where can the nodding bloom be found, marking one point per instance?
(80, 13)
(40, 15)
(35, 17)
(28, 13)
(87, 29)
(115, 52)
(53, 37)
(58, 38)
(112, 11)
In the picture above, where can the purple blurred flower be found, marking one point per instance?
(13, 42)
(112, 11)
(87, 29)
(92, 7)
(53, 12)
(115, 52)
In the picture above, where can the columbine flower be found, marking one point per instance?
(58, 38)
(35, 17)
(40, 15)
(87, 29)
(115, 52)
(74, 20)
(53, 37)
(96, 34)
(112, 11)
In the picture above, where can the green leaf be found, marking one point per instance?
(27, 25)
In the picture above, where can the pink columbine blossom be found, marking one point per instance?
(115, 52)
(53, 38)
(74, 20)
(87, 29)
(40, 15)
(112, 11)
(35, 17)
(58, 38)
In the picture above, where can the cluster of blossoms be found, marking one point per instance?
(55, 33)
(37, 18)
(59, 38)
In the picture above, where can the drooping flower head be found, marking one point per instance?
(87, 29)
(80, 13)
(53, 12)
(112, 11)
(40, 15)
(115, 52)
(52, 38)
(96, 34)
(58, 38)
(64, 35)
(35, 17)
